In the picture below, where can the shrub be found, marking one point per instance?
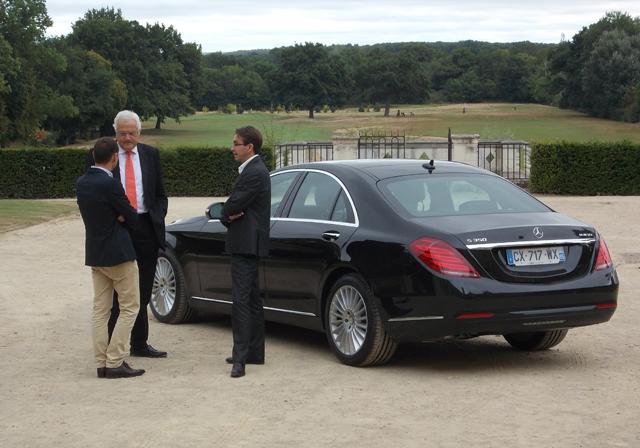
(585, 168)
(42, 173)
(229, 108)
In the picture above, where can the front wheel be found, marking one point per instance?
(537, 340)
(353, 324)
(169, 296)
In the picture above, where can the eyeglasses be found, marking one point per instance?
(238, 144)
(125, 134)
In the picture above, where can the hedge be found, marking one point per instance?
(43, 173)
(585, 168)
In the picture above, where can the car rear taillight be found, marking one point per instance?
(442, 258)
(603, 259)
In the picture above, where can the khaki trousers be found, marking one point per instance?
(124, 279)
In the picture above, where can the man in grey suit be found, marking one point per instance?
(247, 217)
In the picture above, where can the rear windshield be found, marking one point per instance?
(456, 194)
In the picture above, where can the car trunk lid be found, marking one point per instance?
(524, 247)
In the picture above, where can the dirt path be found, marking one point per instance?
(476, 393)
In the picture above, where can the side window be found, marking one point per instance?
(342, 212)
(280, 183)
(315, 198)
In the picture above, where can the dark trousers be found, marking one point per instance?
(146, 246)
(247, 316)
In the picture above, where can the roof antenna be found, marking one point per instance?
(429, 166)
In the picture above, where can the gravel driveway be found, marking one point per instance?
(474, 393)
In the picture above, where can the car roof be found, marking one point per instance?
(385, 168)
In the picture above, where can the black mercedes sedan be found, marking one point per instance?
(375, 253)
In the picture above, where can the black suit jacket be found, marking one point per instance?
(251, 194)
(155, 196)
(101, 200)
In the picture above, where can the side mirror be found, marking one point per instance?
(214, 211)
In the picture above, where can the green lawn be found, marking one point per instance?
(530, 122)
(18, 213)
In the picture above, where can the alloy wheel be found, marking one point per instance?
(348, 320)
(163, 295)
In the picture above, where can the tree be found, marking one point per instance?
(152, 61)
(308, 76)
(8, 71)
(98, 94)
(469, 88)
(168, 87)
(575, 73)
(388, 77)
(26, 99)
(611, 74)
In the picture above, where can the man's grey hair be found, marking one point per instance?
(127, 115)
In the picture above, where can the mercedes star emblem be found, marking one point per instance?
(537, 232)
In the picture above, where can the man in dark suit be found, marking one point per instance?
(247, 216)
(110, 253)
(141, 176)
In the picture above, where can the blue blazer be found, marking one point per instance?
(101, 200)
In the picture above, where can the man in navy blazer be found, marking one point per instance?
(109, 251)
(247, 217)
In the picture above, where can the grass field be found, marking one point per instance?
(18, 213)
(530, 122)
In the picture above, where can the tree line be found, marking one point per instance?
(56, 90)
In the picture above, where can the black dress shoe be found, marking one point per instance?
(229, 360)
(100, 371)
(124, 371)
(148, 352)
(237, 370)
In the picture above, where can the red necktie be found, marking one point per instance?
(130, 181)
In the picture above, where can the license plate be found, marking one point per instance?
(531, 256)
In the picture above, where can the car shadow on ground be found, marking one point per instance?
(297, 338)
(482, 354)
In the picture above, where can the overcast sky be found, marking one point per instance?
(244, 25)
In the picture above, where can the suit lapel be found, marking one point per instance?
(244, 172)
(250, 165)
(145, 168)
(116, 171)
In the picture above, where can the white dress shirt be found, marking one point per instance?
(137, 170)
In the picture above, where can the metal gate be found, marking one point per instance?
(381, 144)
(509, 159)
(303, 152)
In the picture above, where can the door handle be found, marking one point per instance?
(331, 235)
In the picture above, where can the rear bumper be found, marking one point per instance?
(432, 327)
(467, 308)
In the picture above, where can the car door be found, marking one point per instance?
(214, 263)
(305, 241)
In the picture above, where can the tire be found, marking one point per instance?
(539, 340)
(169, 302)
(353, 324)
